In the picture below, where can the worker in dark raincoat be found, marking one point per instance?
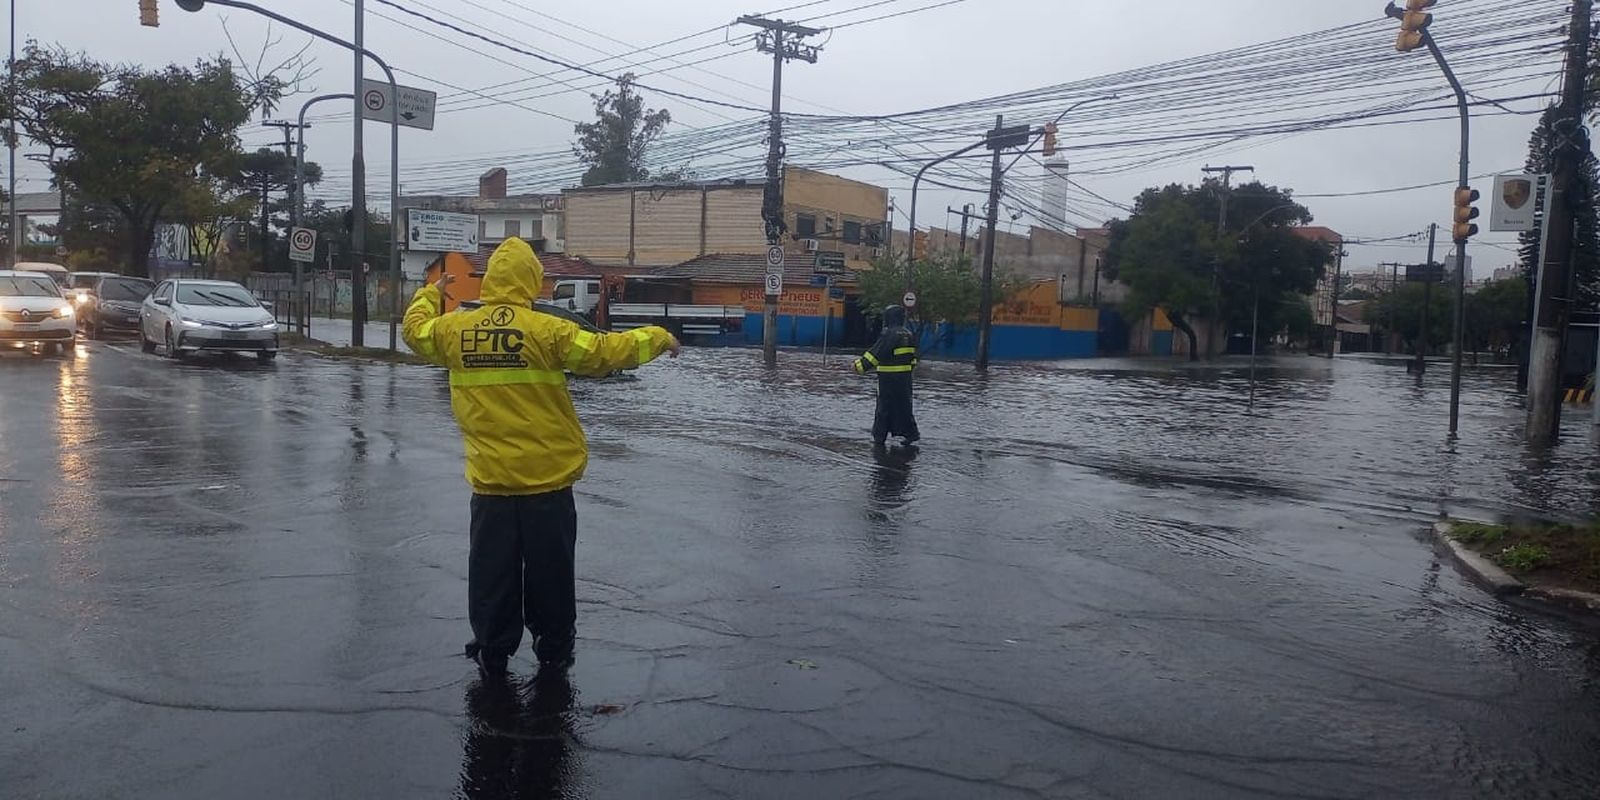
(893, 358)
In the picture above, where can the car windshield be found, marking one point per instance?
(124, 289)
(191, 294)
(27, 286)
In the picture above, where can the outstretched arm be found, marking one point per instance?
(596, 354)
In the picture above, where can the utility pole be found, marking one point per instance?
(966, 218)
(1427, 300)
(998, 140)
(782, 40)
(1394, 293)
(358, 195)
(14, 235)
(288, 129)
(1552, 310)
(1222, 225)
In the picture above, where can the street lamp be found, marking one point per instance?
(1255, 309)
(358, 199)
(917, 181)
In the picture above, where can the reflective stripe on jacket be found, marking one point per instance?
(895, 352)
(508, 385)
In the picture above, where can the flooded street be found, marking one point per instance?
(1094, 579)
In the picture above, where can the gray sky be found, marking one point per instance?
(960, 52)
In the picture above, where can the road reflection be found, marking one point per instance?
(519, 742)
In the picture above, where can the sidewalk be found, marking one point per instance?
(337, 332)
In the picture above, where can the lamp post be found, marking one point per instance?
(297, 211)
(1255, 310)
(358, 201)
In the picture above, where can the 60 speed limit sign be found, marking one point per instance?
(302, 244)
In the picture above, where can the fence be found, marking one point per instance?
(330, 294)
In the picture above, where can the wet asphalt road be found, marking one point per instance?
(1095, 580)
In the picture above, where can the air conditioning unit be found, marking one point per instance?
(558, 245)
(877, 252)
(812, 245)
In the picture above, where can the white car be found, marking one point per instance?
(187, 316)
(33, 312)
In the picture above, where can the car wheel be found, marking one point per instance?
(266, 355)
(68, 348)
(172, 345)
(144, 342)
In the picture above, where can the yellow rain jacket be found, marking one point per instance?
(507, 384)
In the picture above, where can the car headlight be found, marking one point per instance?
(270, 325)
(63, 312)
(189, 323)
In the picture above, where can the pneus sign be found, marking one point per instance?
(441, 231)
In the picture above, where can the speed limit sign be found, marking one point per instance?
(302, 244)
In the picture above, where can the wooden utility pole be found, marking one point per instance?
(1222, 225)
(782, 40)
(1553, 304)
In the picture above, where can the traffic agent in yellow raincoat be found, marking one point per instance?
(525, 447)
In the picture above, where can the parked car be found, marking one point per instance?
(33, 312)
(107, 302)
(187, 316)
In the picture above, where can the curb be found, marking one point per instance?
(1486, 572)
(1502, 584)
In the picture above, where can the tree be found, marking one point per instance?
(1497, 315)
(1356, 295)
(949, 287)
(333, 231)
(1169, 254)
(261, 175)
(136, 140)
(615, 145)
(1404, 307)
(1542, 147)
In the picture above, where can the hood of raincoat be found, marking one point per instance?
(894, 316)
(514, 276)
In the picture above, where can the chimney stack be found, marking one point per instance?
(492, 184)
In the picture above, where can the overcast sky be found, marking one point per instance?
(963, 51)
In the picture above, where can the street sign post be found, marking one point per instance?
(441, 231)
(416, 106)
(1514, 206)
(775, 259)
(302, 245)
(910, 300)
(774, 283)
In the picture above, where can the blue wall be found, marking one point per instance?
(1161, 343)
(1011, 343)
(794, 331)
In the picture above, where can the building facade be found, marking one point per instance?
(537, 218)
(654, 225)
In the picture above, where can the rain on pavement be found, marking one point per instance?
(1096, 579)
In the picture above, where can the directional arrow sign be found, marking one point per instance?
(415, 107)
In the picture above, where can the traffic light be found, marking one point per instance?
(148, 15)
(1413, 21)
(1464, 228)
(1050, 139)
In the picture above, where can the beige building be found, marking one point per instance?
(651, 225)
(1043, 254)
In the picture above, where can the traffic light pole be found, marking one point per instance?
(1552, 306)
(1459, 325)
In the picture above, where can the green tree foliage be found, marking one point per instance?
(1401, 311)
(1542, 148)
(1497, 315)
(1170, 256)
(133, 140)
(615, 145)
(331, 225)
(949, 287)
(267, 176)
